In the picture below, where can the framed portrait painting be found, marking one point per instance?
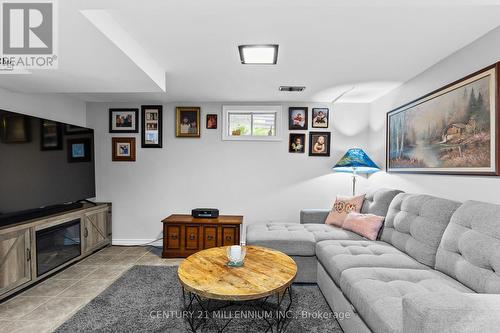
(79, 150)
(297, 143)
(123, 120)
(123, 149)
(152, 129)
(50, 135)
(187, 122)
(297, 118)
(453, 130)
(211, 121)
(319, 143)
(320, 117)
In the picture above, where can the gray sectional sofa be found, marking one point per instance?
(436, 267)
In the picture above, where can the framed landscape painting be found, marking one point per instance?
(453, 130)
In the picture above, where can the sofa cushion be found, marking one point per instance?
(415, 224)
(470, 248)
(377, 202)
(293, 238)
(338, 255)
(377, 293)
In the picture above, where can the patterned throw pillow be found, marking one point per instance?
(343, 206)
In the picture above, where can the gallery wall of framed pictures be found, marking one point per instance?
(188, 123)
(319, 142)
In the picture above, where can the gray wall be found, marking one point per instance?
(260, 180)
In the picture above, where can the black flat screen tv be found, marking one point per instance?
(45, 167)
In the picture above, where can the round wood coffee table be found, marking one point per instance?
(266, 274)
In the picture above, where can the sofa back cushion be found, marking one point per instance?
(415, 224)
(470, 248)
(377, 202)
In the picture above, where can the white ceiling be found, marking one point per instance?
(186, 50)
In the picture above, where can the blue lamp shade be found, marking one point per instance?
(356, 160)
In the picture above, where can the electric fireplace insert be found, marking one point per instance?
(57, 245)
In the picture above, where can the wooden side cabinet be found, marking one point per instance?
(15, 257)
(184, 235)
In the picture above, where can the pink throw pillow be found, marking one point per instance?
(366, 225)
(343, 206)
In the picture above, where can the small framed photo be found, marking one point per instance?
(50, 135)
(319, 143)
(187, 122)
(211, 121)
(152, 128)
(79, 150)
(320, 117)
(297, 118)
(297, 143)
(123, 149)
(73, 130)
(123, 120)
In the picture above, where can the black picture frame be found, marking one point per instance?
(135, 121)
(292, 121)
(292, 145)
(145, 123)
(45, 136)
(214, 117)
(87, 150)
(313, 140)
(318, 124)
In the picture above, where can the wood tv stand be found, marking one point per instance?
(184, 235)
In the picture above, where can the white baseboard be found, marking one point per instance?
(136, 242)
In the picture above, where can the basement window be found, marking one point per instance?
(251, 122)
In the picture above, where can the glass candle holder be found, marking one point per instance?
(236, 255)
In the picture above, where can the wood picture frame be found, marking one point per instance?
(453, 130)
(124, 120)
(320, 118)
(319, 143)
(297, 118)
(50, 135)
(187, 122)
(79, 150)
(152, 126)
(123, 149)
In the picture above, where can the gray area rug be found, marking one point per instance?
(149, 299)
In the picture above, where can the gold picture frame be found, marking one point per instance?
(187, 122)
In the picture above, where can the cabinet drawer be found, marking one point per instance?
(209, 237)
(229, 236)
(192, 237)
(173, 237)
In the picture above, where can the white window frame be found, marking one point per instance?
(276, 109)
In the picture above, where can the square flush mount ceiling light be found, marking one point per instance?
(258, 54)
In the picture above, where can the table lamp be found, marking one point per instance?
(355, 161)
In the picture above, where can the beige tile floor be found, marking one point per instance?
(45, 306)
